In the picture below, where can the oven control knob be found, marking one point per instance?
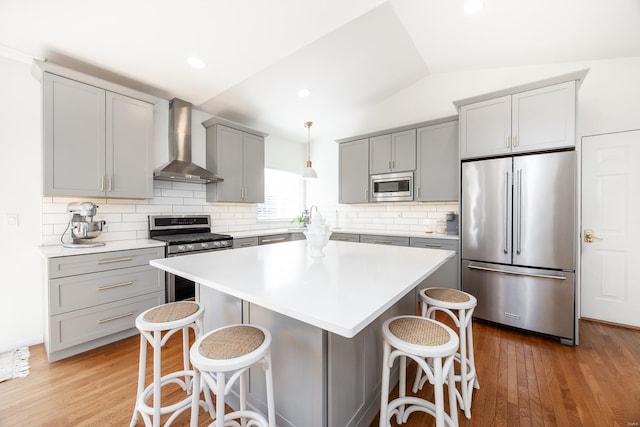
(190, 247)
(204, 245)
(216, 244)
(224, 244)
(182, 248)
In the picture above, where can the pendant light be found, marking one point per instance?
(309, 172)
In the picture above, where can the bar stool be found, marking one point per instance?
(459, 307)
(152, 323)
(419, 338)
(232, 350)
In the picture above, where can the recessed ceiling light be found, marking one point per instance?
(303, 93)
(473, 6)
(196, 62)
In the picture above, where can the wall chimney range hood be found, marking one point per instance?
(180, 168)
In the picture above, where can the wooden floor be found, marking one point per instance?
(525, 380)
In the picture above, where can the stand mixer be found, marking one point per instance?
(83, 227)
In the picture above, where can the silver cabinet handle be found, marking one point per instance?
(110, 319)
(110, 183)
(115, 285)
(343, 239)
(384, 242)
(515, 140)
(427, 245)
(112, 260)
(506, 212)
(508, 141)
(494, 270)
(102, 183)
(279, 239)
(246, 244)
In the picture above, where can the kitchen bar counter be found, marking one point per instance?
(270, 231)
(325, 316)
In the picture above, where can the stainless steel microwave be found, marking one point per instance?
(392, 187)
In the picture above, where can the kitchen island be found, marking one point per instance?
(325, 316)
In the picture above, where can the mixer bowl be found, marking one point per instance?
(82, 230)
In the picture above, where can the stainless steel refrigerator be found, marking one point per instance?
(518, 241)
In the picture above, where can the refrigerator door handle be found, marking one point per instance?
(519, 237)
(495, 270)
(506, 212)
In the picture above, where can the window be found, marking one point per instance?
(283, 196)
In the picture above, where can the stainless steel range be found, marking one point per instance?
(185, 235)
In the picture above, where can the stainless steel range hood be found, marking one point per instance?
(180, 167)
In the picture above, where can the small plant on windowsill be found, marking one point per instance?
(303, 219)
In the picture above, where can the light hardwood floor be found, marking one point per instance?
(525, 380)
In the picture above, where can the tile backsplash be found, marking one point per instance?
(127, 218)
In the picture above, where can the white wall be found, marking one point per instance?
(609, 101)
(20, 193)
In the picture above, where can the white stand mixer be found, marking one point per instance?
(83, 227)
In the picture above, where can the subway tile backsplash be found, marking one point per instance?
(127, 218)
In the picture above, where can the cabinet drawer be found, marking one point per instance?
(82, 264)
(297, 236)
(384, 240)
(446, 244)
(77, 327)
(245, 242)
(345, 237)
(274, 238)
(88, 290)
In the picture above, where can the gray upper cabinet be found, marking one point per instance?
(437, 170)
(237, 157)
(96, 142)
(533, 120)
(395, 152)
(353, 174)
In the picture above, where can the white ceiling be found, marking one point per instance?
(349, 54)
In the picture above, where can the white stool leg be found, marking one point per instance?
(451, 387)
(402, 387)
(142, 367)
(243, 396)
(471, 357)
(438, 392)
(157, 373)
(195, 397)
(384, 394)
(464, 368)
(185, 356)
(220, 405)
(271, 406)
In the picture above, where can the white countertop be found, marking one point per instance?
(55, 251)
(342, 292)
(268, 231)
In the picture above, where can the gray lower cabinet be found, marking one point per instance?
(297, 236)
(238, 157)
(345, 237)
(448, 275)
(273, 238)
(353, 171)
(245, 242)
(384, 240)
(94, 299)
(97, 143)
(438, 171)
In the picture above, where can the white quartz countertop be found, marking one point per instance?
(55, 251)
(267, 232)
(341, 292)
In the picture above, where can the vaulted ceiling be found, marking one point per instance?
(349, 54)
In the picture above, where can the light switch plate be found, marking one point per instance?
(12, 219)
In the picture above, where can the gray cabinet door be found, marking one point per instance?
(395, 152)
(403, 151)
(485, 128)
(380, 154)
(544, 118)
(353, 174)
(253, 163)
(129, 149)
(437, 171)
(74, 137)
(238, 157)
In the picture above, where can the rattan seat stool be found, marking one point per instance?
(459, 306)
(419, 338)
(223, 356)
(156, 326)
